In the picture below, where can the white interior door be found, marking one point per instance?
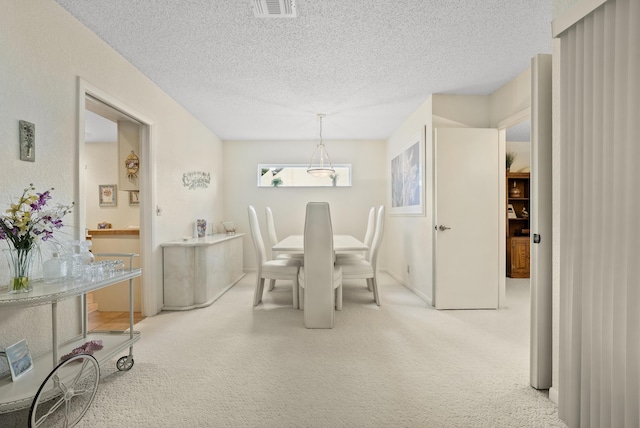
(466, 216)
(541, 220)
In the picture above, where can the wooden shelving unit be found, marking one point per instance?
(518, 232)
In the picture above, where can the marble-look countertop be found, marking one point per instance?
(202, 242)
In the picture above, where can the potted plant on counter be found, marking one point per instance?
(510, 157)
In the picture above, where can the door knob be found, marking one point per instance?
(443, 228)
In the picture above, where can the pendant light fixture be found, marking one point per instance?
(320, 164)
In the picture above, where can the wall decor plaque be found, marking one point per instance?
(196, 180)
(132, 164)
(27, 141)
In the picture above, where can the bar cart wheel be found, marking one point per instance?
(66, 393)
(125, 363)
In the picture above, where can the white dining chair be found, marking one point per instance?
(354, 268)
(280, 269)
(368, 237)
(273, 239)
(320, 280)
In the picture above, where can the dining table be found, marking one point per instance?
(295, 244)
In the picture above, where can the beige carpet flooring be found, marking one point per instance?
(402, 364)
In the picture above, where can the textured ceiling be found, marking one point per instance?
(366, 64)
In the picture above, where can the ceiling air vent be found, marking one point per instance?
(274, 8)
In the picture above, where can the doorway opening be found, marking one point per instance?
(518, 200)
(131, 212)
(112, 139)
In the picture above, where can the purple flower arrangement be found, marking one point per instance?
(23, 226)
(30, 220)
(88, 348)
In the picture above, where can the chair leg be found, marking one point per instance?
(272, 284)
(295, 293)
(257, 294)
(339, 298)
(374, 284)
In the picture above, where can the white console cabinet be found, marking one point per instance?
(198, 271)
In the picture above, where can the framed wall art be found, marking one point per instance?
(19, 359)
(407, 178)
(134, 197)
(108, 195)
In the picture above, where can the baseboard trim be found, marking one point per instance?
(553, 394)
(205, 304)
(418, 293)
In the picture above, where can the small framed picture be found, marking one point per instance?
(134, 197)
(108, 195)
(19, 359)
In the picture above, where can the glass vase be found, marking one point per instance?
(20, 261)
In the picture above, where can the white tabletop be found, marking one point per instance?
(340, 243)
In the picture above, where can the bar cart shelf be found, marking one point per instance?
(20, 394)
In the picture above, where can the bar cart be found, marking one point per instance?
(60, 393)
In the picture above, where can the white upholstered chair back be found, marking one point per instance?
(273, 270)
(319, 300)
(258, 243)
(368, 237)
(377, 238)
(273, 239)
(271, 227)
(371, 222)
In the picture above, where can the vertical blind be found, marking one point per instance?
(599, 371)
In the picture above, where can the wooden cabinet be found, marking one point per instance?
(519, 259)
(518, 231)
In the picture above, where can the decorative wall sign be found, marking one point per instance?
(132, 164)
(27, 141)
(196, 180)
(108, 195)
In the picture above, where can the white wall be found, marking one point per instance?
(409, 239)
(44, 51)
(349, 205)
(561, 6)
(102, 168)
(557, 202)
(522, 149)
(461, 111)
(511, 98)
